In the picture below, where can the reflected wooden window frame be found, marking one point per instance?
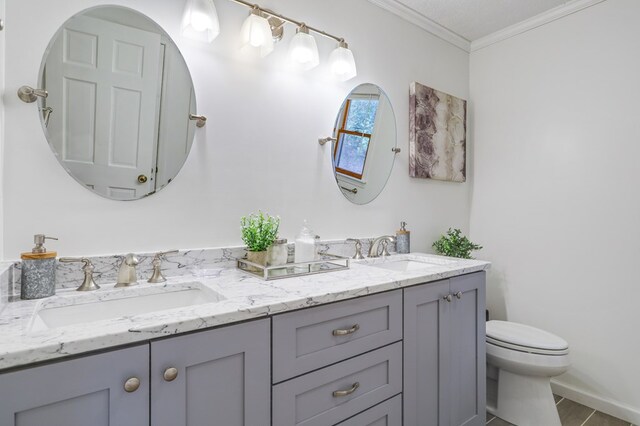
(342, 130)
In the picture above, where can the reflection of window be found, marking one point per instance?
(354, 134)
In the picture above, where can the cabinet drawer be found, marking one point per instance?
(389, 413)
(310, 400)
(313, 338)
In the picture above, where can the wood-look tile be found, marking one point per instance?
(601, 419)
(556, 398)
(499, 422)
(572, 413)
(489, 417)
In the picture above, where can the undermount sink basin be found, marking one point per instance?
(414, 264)
(126, 305)
(405, 265)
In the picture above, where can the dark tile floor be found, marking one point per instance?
(572, 414)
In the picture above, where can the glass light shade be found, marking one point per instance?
(303, 50)
(256, 32)
(200, 20)
(342, 64)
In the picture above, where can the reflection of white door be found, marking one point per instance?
(103, 81)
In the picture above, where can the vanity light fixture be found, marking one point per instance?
(200, 20)
(303, 50)
(262, 29)
(256, 32)
(343, 66)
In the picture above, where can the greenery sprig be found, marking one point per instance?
(454, 244)
(259, 230)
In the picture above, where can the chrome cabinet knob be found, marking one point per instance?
(459, 295)
(448, 298)
(170, 374)
(132, 384)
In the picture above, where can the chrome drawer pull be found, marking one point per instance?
(337, 394)
(352, 330)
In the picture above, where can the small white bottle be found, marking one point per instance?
(305, 245)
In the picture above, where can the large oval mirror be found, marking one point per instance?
(119, 99)
(364, 146)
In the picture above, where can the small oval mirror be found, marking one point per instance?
(119, 99)
(364, 143)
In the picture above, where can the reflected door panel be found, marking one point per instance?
(103, 81)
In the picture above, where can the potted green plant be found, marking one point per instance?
(259, 231)
(455, 244)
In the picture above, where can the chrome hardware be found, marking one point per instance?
(29, 94)
(396, 150)
(448, 298)
(352, 190)
(323, 141)
(200, 120)
(132, 384)
(156, 276)
(46, 115)
(127, 273)
(346, 392)
(385, 248)
(1, 25)
(142, 179)
(88, 284)
(341, 332)
(358, 254)
(374, 248)
(458, 295)
(38, 240)
(170, 374)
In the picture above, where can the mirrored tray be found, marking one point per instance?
(328, 263)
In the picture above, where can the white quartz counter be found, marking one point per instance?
(23, 340)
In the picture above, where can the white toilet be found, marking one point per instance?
(521, 360)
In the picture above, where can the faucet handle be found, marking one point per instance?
(131, 260)
(88, 284)
(358, 254)
(156, 276)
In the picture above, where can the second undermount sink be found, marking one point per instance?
(123, 303)
(414, 263)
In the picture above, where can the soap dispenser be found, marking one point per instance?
(38, 270)
(403, 239)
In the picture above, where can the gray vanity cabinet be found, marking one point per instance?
(80, 392)
(444, 352)
(217, 377)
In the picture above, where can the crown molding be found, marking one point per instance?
(408, 14)
(532, 23)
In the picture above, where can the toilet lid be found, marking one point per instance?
(530, 339)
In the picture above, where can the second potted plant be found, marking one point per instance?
(259, 231)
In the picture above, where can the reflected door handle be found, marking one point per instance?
(142, 179)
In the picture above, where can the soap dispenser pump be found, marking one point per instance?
(38, 276)
(403, 239)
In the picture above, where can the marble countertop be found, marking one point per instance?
(25, 340)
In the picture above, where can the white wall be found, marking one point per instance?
(2, 95)
(259, 149)
(556, 131)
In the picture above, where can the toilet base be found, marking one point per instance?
(525, 400)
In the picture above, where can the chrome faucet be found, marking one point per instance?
(374, 249)
(127, 275)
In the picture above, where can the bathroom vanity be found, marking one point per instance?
(389, 339)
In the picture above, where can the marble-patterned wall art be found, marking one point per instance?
(437, 135)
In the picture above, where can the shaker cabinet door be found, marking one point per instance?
(80, 392)
(426, 360)
(218, 377)
(467, 353)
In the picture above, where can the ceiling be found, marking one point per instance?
(474, 19)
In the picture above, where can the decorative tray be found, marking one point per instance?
(328, 263)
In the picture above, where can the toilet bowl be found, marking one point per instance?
(521, 360)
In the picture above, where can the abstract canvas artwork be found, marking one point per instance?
(437, 135)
